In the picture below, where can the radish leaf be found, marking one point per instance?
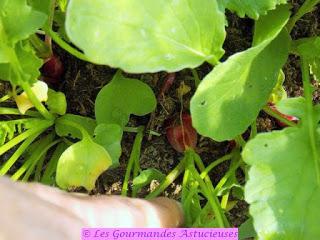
(81, 164)
(109, 136)
(122, 97)
(230, 97)
(282, 189)
(252, 8)
(147, 35)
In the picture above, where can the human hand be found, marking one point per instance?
(35, 211)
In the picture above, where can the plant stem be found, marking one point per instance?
(276, 115)
(210, 196)
(217, 210)
(310, 119)
(240, 141)
(52, 164)
(168, 180)
(307, 7)
(185, 180)
(214, 164)
(5, 168)
(36, 155)
(49, 23)
(42, 49)
(39, 161)
(253, 131)
(5, 98)
(137, 153)
(15, 111)
(195, 77)
(225, 178)
(224, 201)
(65, 45)
(134, 157)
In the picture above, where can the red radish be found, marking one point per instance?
(52, 70)
(288, 117)
(168, 81)
(182, 136)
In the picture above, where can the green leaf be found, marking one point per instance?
(63, 5)
(230, 97)
(246, 230)
(81, 164)
(145, 178)
(18, 20)
(292, 106)
(56, 102)
(282, 190)
(252, 8)
(109, 136)
(148, 35)
(12, 128)
(64, 130)
(122, 97)
(309, 48)
(48, 176)
(29, 64)
(41, 5)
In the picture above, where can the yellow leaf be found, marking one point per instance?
(40, 89)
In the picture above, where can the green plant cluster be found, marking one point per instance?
(282, 167)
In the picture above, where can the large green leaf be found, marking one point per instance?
(282, 190)
(122, 97)
(147, 35)
(251, 8)
(231, 96)
(81, 164)
(18, 20)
